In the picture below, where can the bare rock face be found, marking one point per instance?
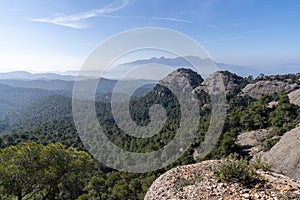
(195, 182)
(272, 84)
(295, 97)
(285, 155)
(252, 141)
(181, 76)
(230, 80)
(259, 88)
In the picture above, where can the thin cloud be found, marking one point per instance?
(76, 20)
(57, 21)
(211, 26)
(153, 18)
(225, 39)
(242, 35)
(172, 19)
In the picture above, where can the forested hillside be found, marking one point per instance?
(42, 134)
(13, 98)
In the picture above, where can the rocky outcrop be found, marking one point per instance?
(295, 97)
(194, 182)
(180, 76)
(259, 88)
(284, 156)
(252, 141)
(231, 82)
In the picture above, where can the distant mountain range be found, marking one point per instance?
(240, 70)
(23, 75)
(173, 63)
(20, 87)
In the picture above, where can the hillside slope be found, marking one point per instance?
(13, 98)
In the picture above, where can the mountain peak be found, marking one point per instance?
(232, 82)
(176, 76)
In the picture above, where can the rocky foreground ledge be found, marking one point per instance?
(197, 181)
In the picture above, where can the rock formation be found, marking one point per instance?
(194, 182)
(285, 155)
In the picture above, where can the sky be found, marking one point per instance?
(58, 35)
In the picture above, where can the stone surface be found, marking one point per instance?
(295, 97)
(194, 182)
(181, 77)
(285, 155)
(259, 88)
(229, 82)
(252, 141)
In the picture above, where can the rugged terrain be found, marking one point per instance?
(256, 119)
(197, 181)
(271, 84)
(194, 182)
(231, 82)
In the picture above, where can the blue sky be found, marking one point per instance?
(58, 35)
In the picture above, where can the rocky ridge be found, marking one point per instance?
(272, 84)
(194, 182)
(198, 182)
(256, 90)
(231, 82)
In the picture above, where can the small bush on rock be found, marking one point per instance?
(194, 179)
(241, 170)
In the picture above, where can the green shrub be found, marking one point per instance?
(182, 182)
(234, 169)
(269, 143)
(259, 163)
